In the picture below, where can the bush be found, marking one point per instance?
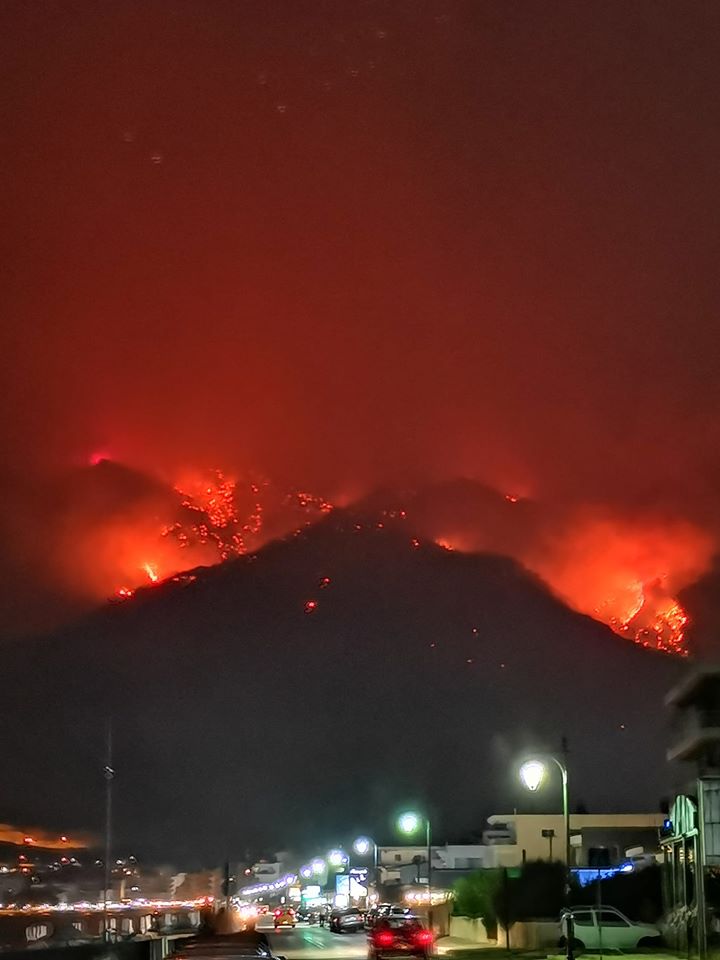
(474, 896)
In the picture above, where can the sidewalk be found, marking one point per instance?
(458, 947)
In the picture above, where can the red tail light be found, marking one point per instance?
(383, 938)
(424, 936)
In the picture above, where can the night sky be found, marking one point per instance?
(349, 242)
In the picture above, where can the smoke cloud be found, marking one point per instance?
(348, 247)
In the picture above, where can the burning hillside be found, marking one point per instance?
(116, 530)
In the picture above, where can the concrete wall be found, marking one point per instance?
(467, 929)
(531, 935)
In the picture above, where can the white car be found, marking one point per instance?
(607, 928)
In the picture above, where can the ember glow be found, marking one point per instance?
(42, 839)
(212, 518)
(129, 531)
(627, 574)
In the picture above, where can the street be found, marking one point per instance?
(307, 941)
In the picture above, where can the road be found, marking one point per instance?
(309, 941)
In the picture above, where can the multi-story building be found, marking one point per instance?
(596, 839)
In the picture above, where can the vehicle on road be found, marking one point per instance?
(384, 910)
(310, 915)
(400, 935)
(606, 927)
(284, 917)
(346, 921)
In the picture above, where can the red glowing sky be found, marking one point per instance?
(346, 244)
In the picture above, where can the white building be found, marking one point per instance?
(408, 864)
(513, 838)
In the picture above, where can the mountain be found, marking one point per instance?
(308, 690)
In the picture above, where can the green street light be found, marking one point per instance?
(410, 822)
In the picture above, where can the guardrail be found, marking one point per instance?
(152, 948)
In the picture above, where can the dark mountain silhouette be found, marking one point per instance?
(701, 599)
(307, 691)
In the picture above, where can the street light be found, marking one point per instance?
(533, 772)
(336, 858)
(306, 872)
(410, 822)
(318, 866)
(362, 846)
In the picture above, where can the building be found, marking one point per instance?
(695, 706)
(596, 839)
(692, 836)
(407, 865)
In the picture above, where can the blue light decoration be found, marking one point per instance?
(586, 875)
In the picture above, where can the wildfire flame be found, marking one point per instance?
(626, 574)
(218, 517)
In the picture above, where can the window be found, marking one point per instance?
(77, 924)
(398, 857)
(608, 918)
(583, 918)
(36, 931)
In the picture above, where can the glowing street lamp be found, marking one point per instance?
(306, 872)
(533, 773)
(408, 823)
(362, 846)
(336, 858)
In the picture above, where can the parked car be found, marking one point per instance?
(608, 928)
(346, 921)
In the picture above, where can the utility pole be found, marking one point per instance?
(109, 773)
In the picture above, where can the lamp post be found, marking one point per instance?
(362, 846)
(337, 860)
(408, 823)
(533, 773)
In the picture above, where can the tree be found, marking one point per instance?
(533, 892)
(475, 896)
